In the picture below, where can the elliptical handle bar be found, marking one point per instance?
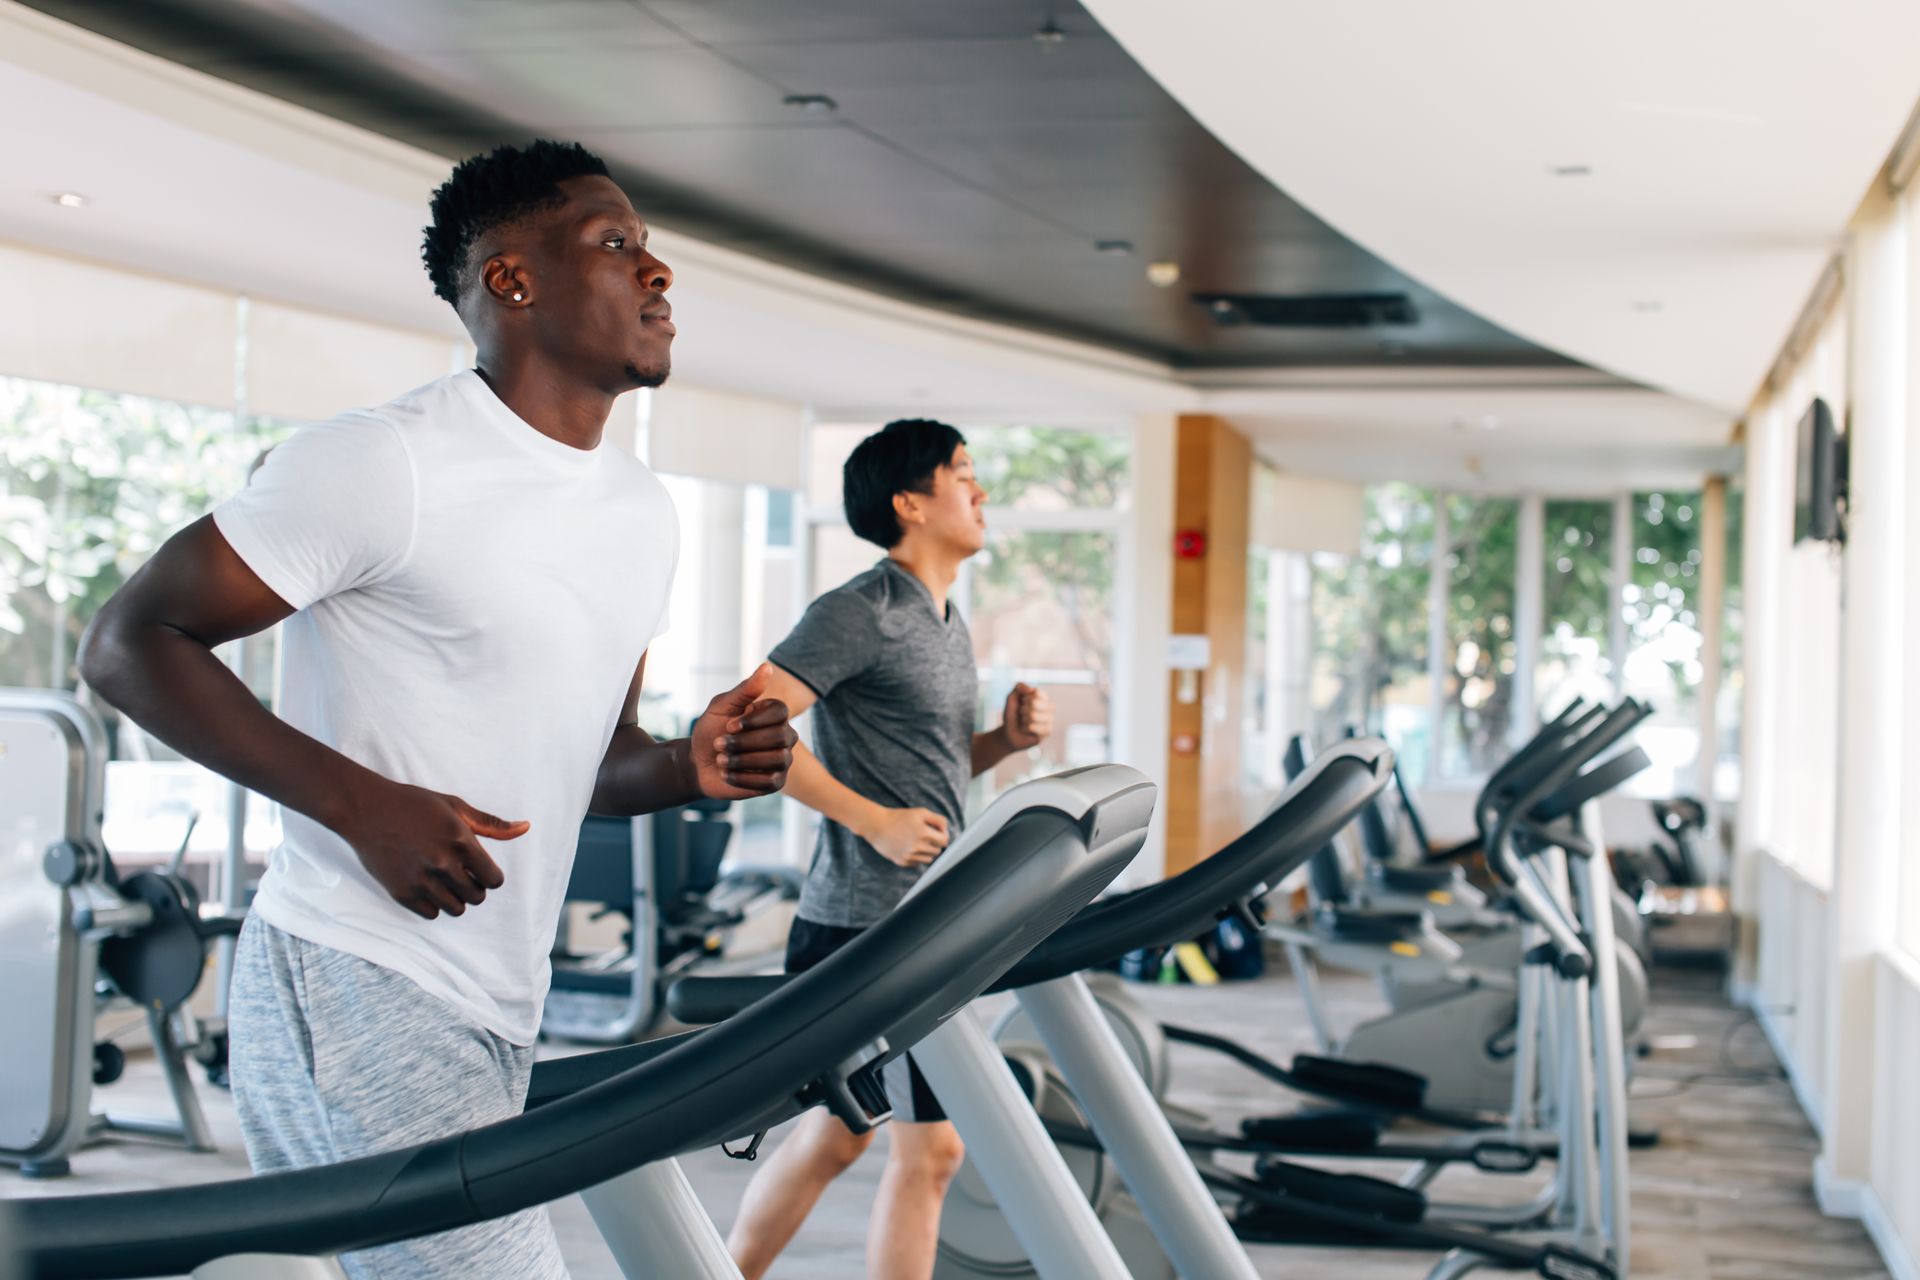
(1532, 758)
(1571, 954)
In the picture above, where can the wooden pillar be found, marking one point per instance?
(1213, 488)
(1711, 609)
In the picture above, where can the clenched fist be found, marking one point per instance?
(743, 746)
(1028, 719)
(907, 837)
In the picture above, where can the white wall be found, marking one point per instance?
(1891, 1207)
(1830, 747)
(1790, 997)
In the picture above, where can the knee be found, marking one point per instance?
(936, 1156)
(838, 1146)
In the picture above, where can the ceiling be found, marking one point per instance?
(203, 182)
(1651, 188)
(1558, 432)
(968, 166)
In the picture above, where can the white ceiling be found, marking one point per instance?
(1554, 433)
(1729, 142)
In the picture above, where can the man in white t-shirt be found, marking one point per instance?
(468, 578)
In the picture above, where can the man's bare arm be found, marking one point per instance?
(1027, 721)
(150, 653)
(740, 747)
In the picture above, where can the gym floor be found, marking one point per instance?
(1726, 1196)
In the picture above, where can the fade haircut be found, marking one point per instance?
(488, 191)
(901, 457)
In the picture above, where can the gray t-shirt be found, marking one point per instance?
(897, 687)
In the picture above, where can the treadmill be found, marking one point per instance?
(609, 1124)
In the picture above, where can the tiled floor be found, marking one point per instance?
(1725, 1196)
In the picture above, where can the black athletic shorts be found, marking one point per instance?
(912, 1097)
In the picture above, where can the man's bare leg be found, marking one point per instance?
(904, 1233)
(787, 1187)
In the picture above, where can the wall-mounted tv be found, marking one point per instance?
(1820, 477)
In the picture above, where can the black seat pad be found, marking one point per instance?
(1415, 879)
(1353, 924)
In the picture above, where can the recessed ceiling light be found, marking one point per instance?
(1164, 274)
(1118, 247)
(1571, 170)
(811, 103)
(69, 200)
(1050, 35)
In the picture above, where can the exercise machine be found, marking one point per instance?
(1460, 993)
(1688, 916)
(660, 874)
(1403, 872)
(76, 934)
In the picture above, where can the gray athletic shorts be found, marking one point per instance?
(335, 1057)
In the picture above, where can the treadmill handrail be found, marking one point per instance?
(1322, 800)
(701, 999)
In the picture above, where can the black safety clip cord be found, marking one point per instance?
(750, 1152)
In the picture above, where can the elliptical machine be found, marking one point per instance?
(76, 934)
(1457, 991)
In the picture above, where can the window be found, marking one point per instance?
(1479, 659)
(735, 594)
(92, 484)
(1279, 661)
(1042, 614)
(1575, 606)
(1726, 786)
(1042, 597)
(1369, 661)
(1663, 661)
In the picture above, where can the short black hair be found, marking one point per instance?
(901, 457)
(487, 191)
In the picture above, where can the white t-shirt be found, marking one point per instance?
(473, 598)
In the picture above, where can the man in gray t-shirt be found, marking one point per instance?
(896, 685)
(887, 665)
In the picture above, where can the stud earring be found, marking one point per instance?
(519, 297)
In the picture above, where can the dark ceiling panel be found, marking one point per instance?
(968, 165)
(508, 26)
(849, 21)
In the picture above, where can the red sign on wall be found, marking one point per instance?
(1189, 544)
